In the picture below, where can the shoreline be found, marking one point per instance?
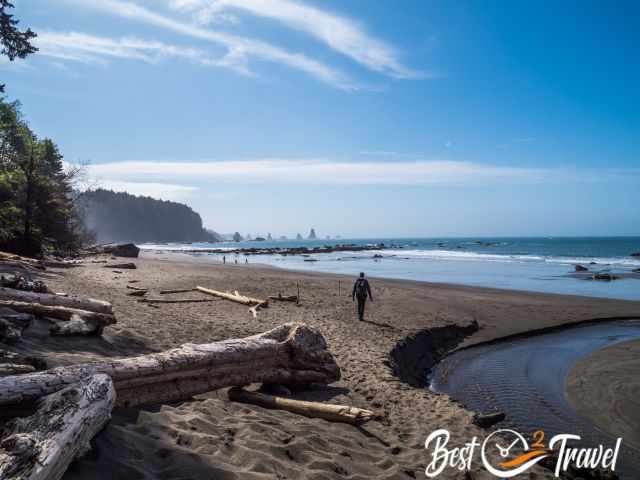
(191, 435)
(535, 276)
(188, 256)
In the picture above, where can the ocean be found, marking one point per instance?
(532, 264)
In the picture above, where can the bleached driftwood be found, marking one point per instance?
(255, 303)
(59, 312)
(61, 263)
(289, 354)
(42, 446)
(332, 413)
(21, 261)
(234, 297)
(94, 322)
(82, 303)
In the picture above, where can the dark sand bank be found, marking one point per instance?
(214, 438)
(609, 377)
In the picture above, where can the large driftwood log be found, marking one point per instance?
(81, 303)
(289, 354)
(42, 446)
(80, 322)
(234, 297)
(332, 413)
(59, 312)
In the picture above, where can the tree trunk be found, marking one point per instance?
(89, 304)
(234, 297)
(291, 353)
(331, 413)
(42, 446)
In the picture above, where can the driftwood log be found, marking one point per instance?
(42, 446)
(49, 299)
(332, 413)
(80, 322)
(289, 354)
(16, 364)
(138, 293)
(234, 297)
(284, 298)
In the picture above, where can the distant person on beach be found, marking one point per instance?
(361, 290)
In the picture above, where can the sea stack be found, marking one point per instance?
(312, 234)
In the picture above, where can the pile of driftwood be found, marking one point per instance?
(71, 404)
(69, 315)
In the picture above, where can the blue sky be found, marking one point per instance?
(359, 118)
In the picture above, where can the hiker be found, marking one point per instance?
(360, 290)
(224, 260)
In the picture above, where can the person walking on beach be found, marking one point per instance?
(361, 290)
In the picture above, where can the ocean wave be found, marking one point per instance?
(522, 258)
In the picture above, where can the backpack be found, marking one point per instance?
(361, 287)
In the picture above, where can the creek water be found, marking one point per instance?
(525, 378)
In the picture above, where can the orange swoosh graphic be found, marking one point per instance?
(522, 458)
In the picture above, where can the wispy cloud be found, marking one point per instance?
(338, 32)
(85, 48)
(162, 191)
(322, 172)
(239, 49)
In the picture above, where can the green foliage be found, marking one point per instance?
(15, 44)
(36, 208)
(122, 217)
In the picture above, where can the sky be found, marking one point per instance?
(357, 118)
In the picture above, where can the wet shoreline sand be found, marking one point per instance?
(213, 438)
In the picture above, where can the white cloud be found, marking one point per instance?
(163, 191)
(337, 32)
(320, 172)
(239, 49)
(85, 48)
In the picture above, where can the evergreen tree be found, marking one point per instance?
(15, 44)
(36, 207)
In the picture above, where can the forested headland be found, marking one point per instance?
(118, 216)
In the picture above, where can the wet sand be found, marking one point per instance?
(609, 377)
(211, 437)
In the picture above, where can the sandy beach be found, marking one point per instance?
(211, 437)
(609, 377)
